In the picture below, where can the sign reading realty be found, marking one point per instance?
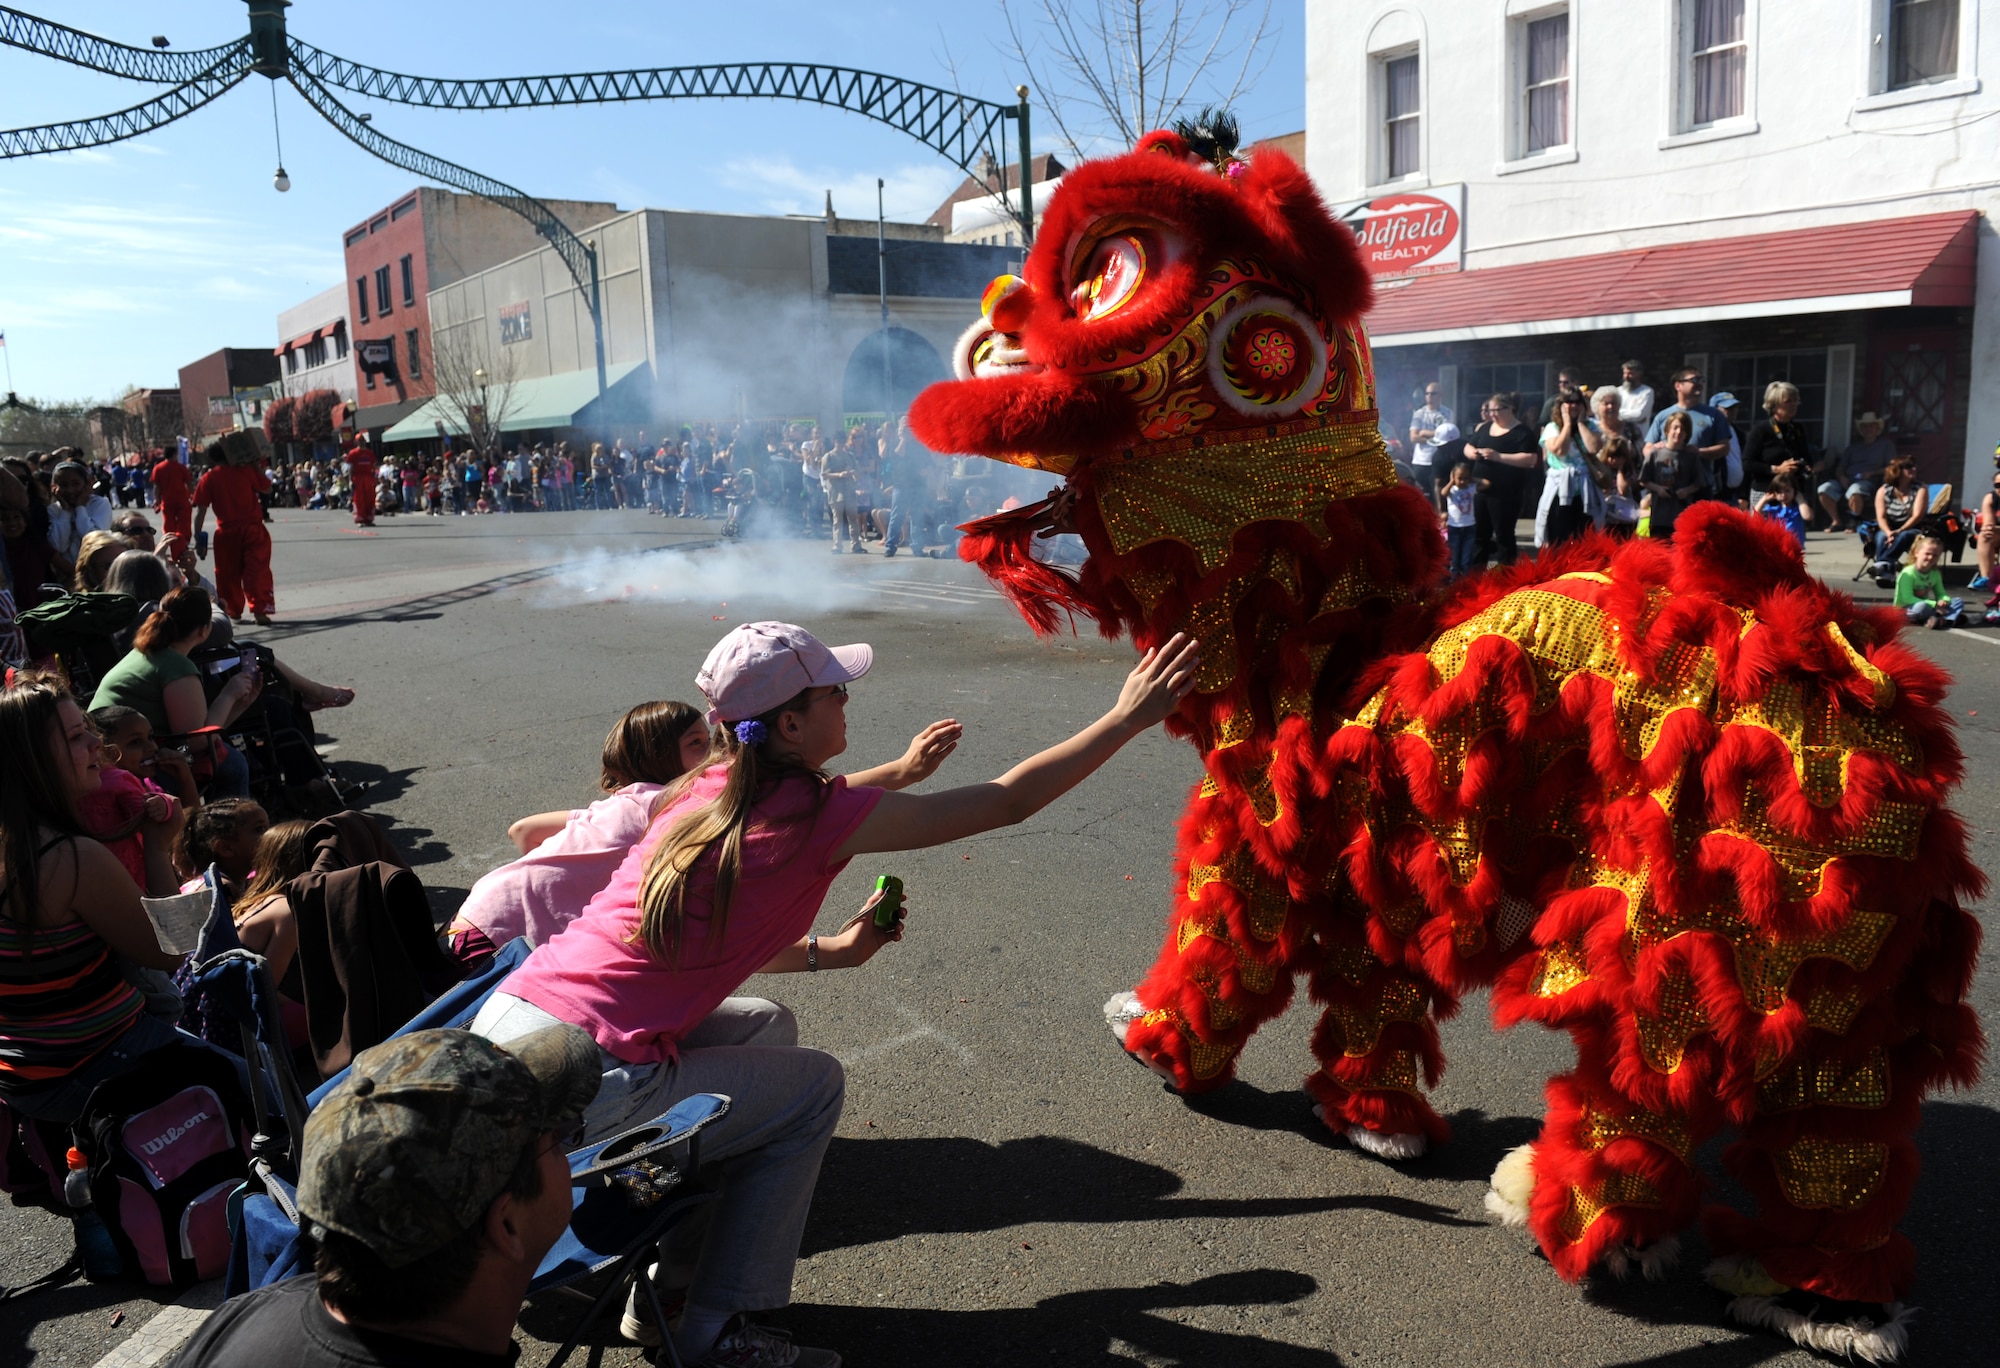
(1410, 234)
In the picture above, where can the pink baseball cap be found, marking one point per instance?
(762, 664)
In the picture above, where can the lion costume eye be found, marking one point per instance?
(1111, 275)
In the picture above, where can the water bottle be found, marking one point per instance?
(101, 1259)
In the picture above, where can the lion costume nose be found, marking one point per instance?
(1007, 302)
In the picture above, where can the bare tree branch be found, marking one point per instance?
(475, 383)
(1108, 71)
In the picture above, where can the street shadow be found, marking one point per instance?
(1478, 1143)
(1121, 1326)
(876, 1190)
(423, 608)
(1118, 1326)
(379, 784)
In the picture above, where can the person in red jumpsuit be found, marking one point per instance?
(170, 496)
(361, 465)
(242, 544)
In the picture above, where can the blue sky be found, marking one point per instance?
(120, 264)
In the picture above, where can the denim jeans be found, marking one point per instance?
(764, 1156)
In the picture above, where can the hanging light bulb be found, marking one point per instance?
(281, 182)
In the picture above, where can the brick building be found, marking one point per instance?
(424, 241)
(209, 389)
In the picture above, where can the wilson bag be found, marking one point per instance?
(167, 1145)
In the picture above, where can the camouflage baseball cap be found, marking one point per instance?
(424, 1132)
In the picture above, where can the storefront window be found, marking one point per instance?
(1745, 376)
(1528, 379)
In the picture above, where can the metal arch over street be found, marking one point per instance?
(182, 100)
(162, 66)
(958, 126)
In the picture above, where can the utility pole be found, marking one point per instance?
(597, 323)
(1027, 195)
(882, 289)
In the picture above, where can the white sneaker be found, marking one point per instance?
(637, 1324)
(744, 1345)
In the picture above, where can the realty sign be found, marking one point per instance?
(1410, 233)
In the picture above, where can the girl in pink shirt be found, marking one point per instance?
(727, 880)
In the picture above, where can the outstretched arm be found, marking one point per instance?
(900, 821)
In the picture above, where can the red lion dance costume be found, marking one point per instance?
(1680, 800)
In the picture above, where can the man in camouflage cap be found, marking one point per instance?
(433, 1182)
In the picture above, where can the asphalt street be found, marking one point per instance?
(1006, 1187)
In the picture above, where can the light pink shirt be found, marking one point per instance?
(597, 974)
(543, 891)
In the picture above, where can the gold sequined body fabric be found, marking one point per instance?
(1695, 829)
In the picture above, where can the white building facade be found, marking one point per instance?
(1759, 189)
(313, 342)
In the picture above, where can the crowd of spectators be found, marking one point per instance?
(425, 1181)
(1615, 459)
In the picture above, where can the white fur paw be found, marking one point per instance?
(1121, 1011)
(1856, 1337)
(1513, 1183)
(1652, 1263)
(1384, 1145)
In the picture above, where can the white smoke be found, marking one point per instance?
(744, 581)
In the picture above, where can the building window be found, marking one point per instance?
(1923, 42)
(409, 281)
(315, 352)
(340, 344)
(376, 225)
(1718, 59)
(408, 206)
(1745, 376)
(361, 298)
(1546, 116)
(356, 236)
(416, 368)
(1527, 381)
(291, 363)
(382, 290)
(1402, 116)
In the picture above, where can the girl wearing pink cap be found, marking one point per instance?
(726, 882)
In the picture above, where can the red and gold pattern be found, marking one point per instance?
(1683, 802)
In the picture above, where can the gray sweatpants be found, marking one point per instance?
(763, 1157)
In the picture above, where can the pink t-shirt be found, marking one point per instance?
(116, 802)
(596, 974)
(543, 891)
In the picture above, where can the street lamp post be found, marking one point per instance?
(882, 290)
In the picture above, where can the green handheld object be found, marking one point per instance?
(889, 911)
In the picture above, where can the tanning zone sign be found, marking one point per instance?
(1410, 233)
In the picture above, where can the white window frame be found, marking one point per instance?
(1514, 89)
(1875, 62)
(1378, 89)
(1682, 130)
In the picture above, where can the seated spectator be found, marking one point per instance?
(1987, 545)
(433, 1181)
(1900, 504)
(730, 875)
(226, 834)
(1854, 476)
(1920, 588)
(265, 924)
(568, 856)
(93, 561)
(136, 820)
(69, 911)
(1675, 474)
(129, 744)
(1780, 504)
(157, 678)
(75, 511)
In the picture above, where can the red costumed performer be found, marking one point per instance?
(1683, 801)
(361, 466)
(242, 542)
(170, 496)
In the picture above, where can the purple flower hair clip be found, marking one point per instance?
(751, 733)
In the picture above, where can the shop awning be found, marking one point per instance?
(547, 401)
(324, 330)
(1925, 261)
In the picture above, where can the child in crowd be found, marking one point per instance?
(1780, 503)
(264, 920)
(224, 834)
(129, 812)
(1460, 533)
(1920, 588)
(568, 856)
(1672, 475)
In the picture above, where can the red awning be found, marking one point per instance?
(1926, 261)
(324, 330)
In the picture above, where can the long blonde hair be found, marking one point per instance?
(720, 822)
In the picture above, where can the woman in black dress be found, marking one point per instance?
(1504, 451)
(1777, 446)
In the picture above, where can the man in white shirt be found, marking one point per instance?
(1635, 396)
(1424, 424)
